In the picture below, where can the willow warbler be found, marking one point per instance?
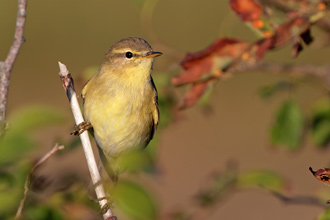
(120, 101)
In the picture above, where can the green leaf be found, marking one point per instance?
(44, 212)
(9, 199)
(18, 139)
(288, 126)
(325, 215)
(33, 117)
(14, 147)
(261, 178)
(165, 107)
(321, 132)
(270, 90)
(321, 123)
(135, 160)
(134, 201)
(221, 186)
(6, 179)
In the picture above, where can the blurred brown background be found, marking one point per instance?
(78, 33)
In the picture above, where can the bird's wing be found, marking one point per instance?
(83, 91)
(155, 112)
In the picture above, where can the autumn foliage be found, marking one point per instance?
(322, 175)
(227, 55)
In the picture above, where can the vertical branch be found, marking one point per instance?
(67, 82)
(7, 65)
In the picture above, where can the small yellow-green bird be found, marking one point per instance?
(121, 102)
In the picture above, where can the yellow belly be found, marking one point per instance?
(120, 122)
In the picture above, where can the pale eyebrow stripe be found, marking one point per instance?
(119, 53)
(124, 50)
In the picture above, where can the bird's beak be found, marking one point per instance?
(152, 54)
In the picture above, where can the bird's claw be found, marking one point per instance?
(106, 206)
(80, 128)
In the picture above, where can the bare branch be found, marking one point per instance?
(300, 200)
(322, 72)
(7, 65)
(28, 178)
(67, 82)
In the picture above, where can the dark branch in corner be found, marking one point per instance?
(7, 65)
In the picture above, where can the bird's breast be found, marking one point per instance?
(122, 118)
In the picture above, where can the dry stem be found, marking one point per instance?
(7, 65)
(28, 178)
(67, 82)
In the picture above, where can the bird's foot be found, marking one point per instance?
(107, 205)
(80, 128)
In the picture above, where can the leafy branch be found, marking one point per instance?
(231, 55)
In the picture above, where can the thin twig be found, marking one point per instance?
(300, 200)
(28, 178)
(67, 82)
(322, 72)
(7, 65)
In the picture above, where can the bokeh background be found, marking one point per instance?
(197, 142)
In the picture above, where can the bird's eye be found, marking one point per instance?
(129, 54)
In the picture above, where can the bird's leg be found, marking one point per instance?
(80, 128)
(114, 178)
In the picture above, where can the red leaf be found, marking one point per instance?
(202, 62)
(227, 54)
(286, 31)
(220, 47)
(194, 93)
(322, 175)
(248, 10)
(292, 29)
(263, 45)
(194, 71)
